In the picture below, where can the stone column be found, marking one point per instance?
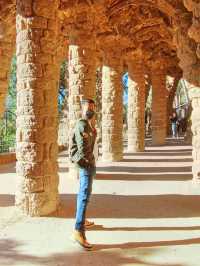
(99, 104)
(136, 108)
(170, 100)
(37, 110)
(194, 94)
(82, 73)
(112, 108)
(159, 108)
(82, 78)
(188, 133)
(63, 138)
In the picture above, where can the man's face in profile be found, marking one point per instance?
(88, 107)
(91, 106)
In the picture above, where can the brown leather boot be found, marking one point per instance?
(80, 238)
(88, 224)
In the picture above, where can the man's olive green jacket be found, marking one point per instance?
(83, 140)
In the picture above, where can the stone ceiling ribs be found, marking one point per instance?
(164, 28)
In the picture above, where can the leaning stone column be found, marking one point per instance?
(63, 139)
(159, 108)
(82, 72)
(99, 104)
(37, 110)
(170, 100)
(112, 108)
(82, 78)
(194, 94)
(136, 108)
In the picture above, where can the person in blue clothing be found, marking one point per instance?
(174, 124)
(82, 154)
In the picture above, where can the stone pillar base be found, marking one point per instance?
(109, 157)
(158, 137)
(47, 204)
(134, 149)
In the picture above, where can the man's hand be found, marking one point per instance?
(84, 163)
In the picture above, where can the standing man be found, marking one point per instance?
(81, 153)
(174, 121)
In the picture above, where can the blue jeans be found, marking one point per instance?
(86, 176)
(174, 129)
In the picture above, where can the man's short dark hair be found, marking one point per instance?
(84, 101)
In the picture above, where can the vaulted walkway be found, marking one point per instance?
(146, 210)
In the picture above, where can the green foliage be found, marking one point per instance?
(7, 132)
(182, 92)
(11, 98)
(149, 100)
(63, 92)
(63, 74)
(7, 123)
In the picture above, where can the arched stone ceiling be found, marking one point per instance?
(158, 30)
(149, 26)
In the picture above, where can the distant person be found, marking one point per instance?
(82, 154)
(148, 121)
(184, 125)
(174, 124)
(179, 126)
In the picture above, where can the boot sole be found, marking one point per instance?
(89, 226)
(77, 242)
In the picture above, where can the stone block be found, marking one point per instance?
(31, 23)
(29, 152)
(31, 70)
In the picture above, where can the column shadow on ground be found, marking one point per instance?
(119, 206)
(149, 160)
(160, 153)
(143, 177)
(131, 245)
(148, 170)
(8, 168)
(169, 141)
(134, 170)
(11, 255)
(7, 200)
(99, 227)
(115, 206)
(137, 206)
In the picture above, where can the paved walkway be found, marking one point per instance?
(146, 210)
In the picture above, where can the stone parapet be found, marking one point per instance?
(7, 157)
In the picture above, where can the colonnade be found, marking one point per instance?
(37, 110)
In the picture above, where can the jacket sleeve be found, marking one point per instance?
(81, 139)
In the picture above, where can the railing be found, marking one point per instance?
(7, 132)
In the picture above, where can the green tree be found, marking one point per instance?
(11, 98)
